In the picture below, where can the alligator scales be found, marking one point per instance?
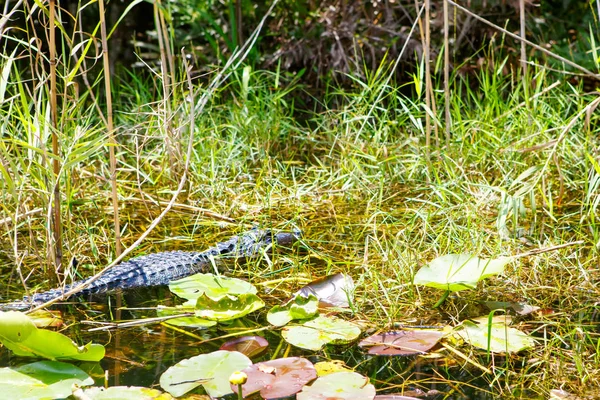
(161, 268)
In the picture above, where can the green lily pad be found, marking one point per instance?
(454, 272)
(188, 322)
(41, 380)
(330, 367)
(299, 308)
(498, 338)
(23, 338)
(124, 392)
(226, 308)
(212, 371)
(316, 333)
(339, 386)
(195, 286)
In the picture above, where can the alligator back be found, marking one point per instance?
(161, 268)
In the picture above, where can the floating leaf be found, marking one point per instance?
(189, 322)
(498, 338)
(41, 380)
(329, 367)
(193, 287)
(298, 308)
(332, 291)
(20, 335)
(226, 308)
(394, 397)
(248, 345)
(279, 378)
(456, 272)
(402, 343)
(316, 333)
(124, 392)
(211, 370)
(339, 386)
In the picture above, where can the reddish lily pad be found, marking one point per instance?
(402, 343)
(250, 346)
(279, 378)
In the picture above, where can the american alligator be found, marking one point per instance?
(161, 268)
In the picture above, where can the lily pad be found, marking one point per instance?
(188, 322)
(248, 345)
(316, 333)
(124, 392)
(454, 272)
(329, 367)
(227, 307)
(339, 386)
(497, 338)
(195, 286)
(402, 343)
(23, 338)
(299, 308)
(212, 371)
(332, 291)
(41, 380)
(279, 378)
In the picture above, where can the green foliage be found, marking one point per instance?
(125, 392)
(227, 307)
(190, 322)
(495, 337)
(322, 330)
(212, 371)
(455, 272)
(348, 167)
(42, 380)
(195, 286)
(23, 338)
(299, 308)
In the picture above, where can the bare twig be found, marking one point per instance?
(111, 132)
(523, 35)
(546, 249)
(427, 66)
(56, 226)
(17, 217)
(447, 71)
(137, 322)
